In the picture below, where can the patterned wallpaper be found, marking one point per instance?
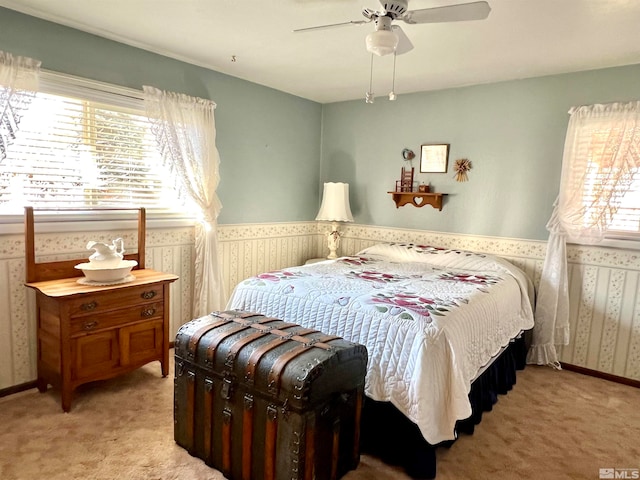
(604, 282)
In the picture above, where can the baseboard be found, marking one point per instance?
(567, 366)
(17, 388)
(603, 375)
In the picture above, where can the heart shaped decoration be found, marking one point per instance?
(418, 201)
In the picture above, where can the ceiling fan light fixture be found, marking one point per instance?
(382, 42)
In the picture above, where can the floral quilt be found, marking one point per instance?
(430, 318)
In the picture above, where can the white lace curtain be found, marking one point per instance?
(18, 85)
(185, 130)
(601, 154)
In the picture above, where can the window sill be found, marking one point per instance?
(623, 243)
(86, 222)
(610, 242)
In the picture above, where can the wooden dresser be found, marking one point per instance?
(91, 332)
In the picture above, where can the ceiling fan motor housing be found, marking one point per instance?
(383, 23)
(392, 10)
(395, 9)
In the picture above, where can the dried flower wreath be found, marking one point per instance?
(462, 166)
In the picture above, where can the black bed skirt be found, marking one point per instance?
(390, 436)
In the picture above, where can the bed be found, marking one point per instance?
(432, 319)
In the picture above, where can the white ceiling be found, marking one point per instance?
(519, 39)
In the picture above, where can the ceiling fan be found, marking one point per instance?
(388, 38)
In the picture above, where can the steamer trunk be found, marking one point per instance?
(258, 398)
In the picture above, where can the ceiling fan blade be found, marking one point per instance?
(452, 13)
(404, 44)
(331, 25)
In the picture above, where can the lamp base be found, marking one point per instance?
(333, 240)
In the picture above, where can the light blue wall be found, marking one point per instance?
(513, 132)
(276, 149)
(269, 141)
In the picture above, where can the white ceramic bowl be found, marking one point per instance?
(112, 274)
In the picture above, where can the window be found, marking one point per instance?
(84, 144)
(626, 221)
(600, 187)
(623, 200)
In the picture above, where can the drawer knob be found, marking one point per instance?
(148, 312)
(90, 325)
(148, 295)
(88, 306)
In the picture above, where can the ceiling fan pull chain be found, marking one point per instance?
(369, 97)
(392, 93)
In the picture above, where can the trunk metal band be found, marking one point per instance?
(197, 335)
(237, 346)
(215, 342)
(282, 361)
(259, 352)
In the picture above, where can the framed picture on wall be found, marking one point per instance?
(434, 158)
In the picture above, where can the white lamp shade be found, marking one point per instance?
(381, 42)
(335, 203)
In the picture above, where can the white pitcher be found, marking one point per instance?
(106, 256)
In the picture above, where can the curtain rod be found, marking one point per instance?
(50, 76)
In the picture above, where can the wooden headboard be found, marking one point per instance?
(39, 272)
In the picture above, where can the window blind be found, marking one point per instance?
(82, 149)
(622, 201)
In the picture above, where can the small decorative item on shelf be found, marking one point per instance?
(462, 166)
(405, 184)
(422, 188)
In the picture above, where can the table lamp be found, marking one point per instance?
(335, 208)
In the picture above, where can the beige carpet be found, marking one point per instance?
(553, 425)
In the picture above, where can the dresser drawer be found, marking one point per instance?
(109, 300)
(116, 318)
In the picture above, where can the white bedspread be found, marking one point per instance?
(430, 319)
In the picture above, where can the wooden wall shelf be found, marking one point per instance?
(418, 199)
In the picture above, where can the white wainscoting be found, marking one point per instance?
(604, 293)
(246, 250)
(604, 282)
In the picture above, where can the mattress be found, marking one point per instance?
(431, 320)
